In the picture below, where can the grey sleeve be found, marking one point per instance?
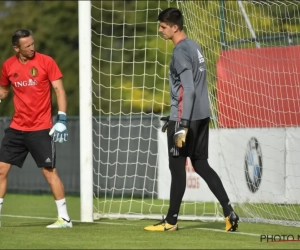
(183, 66)
(187, 82)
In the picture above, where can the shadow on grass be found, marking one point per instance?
(27, 224)
(45, 224)
(208, 225)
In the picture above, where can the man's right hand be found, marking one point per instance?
(3, 92)
(165, 126)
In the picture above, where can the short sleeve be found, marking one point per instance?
(54, 72)
(4, 77)
(182, 61)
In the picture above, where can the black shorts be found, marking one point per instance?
(196, 142)
(17, 144)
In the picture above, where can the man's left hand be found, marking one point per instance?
(59, 131)
(180, 133)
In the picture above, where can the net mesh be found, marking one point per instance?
(251, 51)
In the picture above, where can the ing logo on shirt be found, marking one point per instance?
(33, 72)
(30, 82)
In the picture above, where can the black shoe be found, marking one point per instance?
(232, 222)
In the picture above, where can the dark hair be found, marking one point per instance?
(20, 34)
(171, 16)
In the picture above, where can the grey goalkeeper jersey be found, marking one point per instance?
(188, 87)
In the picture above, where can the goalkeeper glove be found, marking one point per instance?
(180, 133)
(165, 126)
(59, 130)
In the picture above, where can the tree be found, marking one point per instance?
(55, 30)
(130, 59)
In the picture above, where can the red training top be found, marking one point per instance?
(32, 87)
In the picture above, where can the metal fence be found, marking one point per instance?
(136, 153)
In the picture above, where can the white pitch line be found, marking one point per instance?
(223, 231)
(116, 223)
(26, 217)
(48, 218)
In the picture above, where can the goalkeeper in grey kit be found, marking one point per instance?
(188, 124)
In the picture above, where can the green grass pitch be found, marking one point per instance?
(24, 218)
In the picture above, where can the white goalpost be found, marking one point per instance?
(85, 90)
(252, 52)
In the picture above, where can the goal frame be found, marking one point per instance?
(85, 111)
(86, 116)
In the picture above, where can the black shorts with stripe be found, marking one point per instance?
(17, 144)
(196, 142)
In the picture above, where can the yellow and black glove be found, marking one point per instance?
(165, 126)
(180, 133)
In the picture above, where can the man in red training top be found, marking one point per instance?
(31, 76)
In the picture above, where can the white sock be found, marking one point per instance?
(62, 209)
(1, 203)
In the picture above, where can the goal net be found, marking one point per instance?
(252, 55)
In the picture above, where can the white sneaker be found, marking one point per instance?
(61, 223)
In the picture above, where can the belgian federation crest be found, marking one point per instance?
(253, 165)
(33, 72)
